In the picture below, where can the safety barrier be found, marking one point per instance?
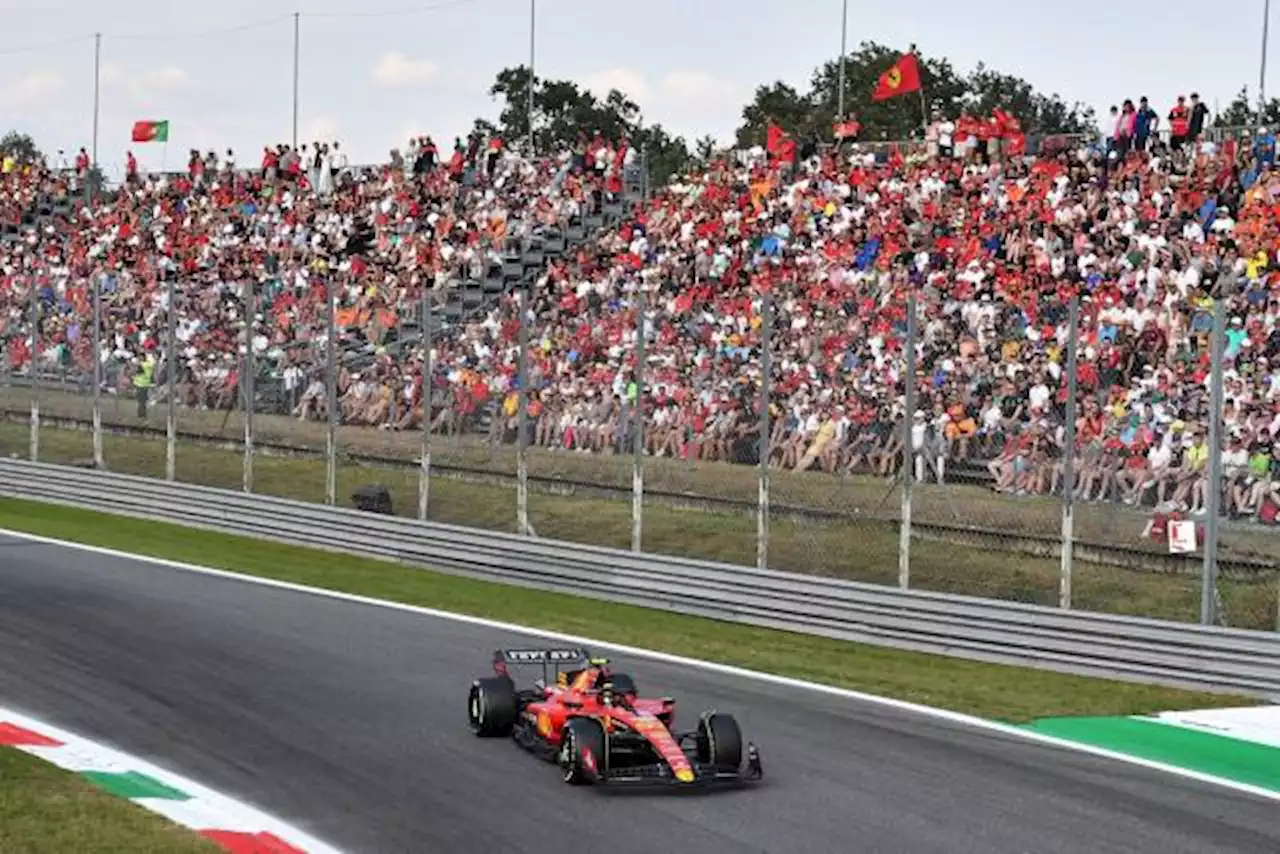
(1096, 644)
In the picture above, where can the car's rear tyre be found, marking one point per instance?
(719, 742)
(584, 752)
(492, 707)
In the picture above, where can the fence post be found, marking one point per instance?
(331, 398)
(424, 474)
(637, 439)
(522, 398)
(97, 370)
(171, 417)
(33, 314)
(908, 445)
(250, 309)
(1209, 580)
(1069, 455)
(766, 385)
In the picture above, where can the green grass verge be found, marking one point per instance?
(858, 549)
(46, 810)
(993, 691)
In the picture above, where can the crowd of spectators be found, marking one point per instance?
(1151, 230)
(301, 221)
(1150, 236)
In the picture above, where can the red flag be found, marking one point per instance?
(1005, 123)
(780, 145)
(844, 130)
(775, 139)
(902, 79)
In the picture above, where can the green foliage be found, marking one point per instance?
(812, 113)
(1243, 112)
(563, 112)
(21, 146)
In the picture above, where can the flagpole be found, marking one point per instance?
(533, 36)
(924, 110)
(844, 49)
(296, 45)
(97, 89)
(1262, 71)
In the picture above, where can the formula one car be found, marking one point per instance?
(592, 722)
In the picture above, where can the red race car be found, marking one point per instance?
(593, 723)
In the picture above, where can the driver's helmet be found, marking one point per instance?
(617, 689)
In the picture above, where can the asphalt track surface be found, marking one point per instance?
(349, 720)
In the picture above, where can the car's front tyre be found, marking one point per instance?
(584, 756)
(719, 742)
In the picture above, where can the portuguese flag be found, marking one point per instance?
(150, 131)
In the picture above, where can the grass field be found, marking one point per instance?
(860, 549)
(46, 810)
(994, 691)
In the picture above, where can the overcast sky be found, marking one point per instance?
(371, 74)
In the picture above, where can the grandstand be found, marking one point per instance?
(992, 240)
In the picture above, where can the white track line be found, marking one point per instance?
(205, 810)
(726, 669)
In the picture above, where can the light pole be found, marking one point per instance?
(97, 90)
(844, 36)
(1262, 70)
(533, 24)
(297, 38)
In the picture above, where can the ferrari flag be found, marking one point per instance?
(151, 131)
(902, 79)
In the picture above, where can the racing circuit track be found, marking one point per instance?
(349, 720)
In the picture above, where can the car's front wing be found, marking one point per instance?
(660, 774)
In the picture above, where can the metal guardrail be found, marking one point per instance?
(999, 540)
(1096, 644)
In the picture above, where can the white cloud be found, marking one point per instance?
(696, 86)
(111, 73)
(628, 82)
(318, 129)
(164, 79)
(31, 87)
(144, 88)
(396, 69)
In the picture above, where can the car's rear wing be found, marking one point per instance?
(548, 659)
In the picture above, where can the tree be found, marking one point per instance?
(776, 103)
(704, 150)
(562, 112)
(21, 146)
(896, 118)
(987, 90)
(813, 113)
(1243, 112)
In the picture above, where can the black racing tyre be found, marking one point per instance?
(584, 752)
(719, 742)
(492, 707)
